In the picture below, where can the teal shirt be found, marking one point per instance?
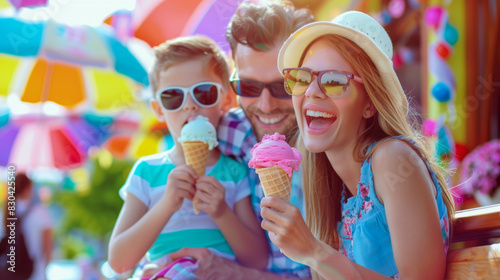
(147, 181)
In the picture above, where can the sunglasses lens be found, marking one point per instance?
(278, 90)
(206, 94)
(248, 88)
(297, 81)
(171, 99)
(334, 83)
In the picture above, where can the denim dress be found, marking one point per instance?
(363, 230)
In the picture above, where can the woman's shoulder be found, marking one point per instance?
(397, 155)
(396, 163)
(391, 152)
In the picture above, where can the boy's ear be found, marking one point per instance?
(228, 100)
(157, 109)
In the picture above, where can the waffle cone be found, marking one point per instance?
(196, 154)
(275, 182)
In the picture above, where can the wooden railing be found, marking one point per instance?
(473, 256)
(477, 224)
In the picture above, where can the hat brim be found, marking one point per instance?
(293, 48)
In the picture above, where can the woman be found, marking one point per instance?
(371, 188)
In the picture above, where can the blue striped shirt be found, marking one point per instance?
(147, 181)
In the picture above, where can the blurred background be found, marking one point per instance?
(74, 112)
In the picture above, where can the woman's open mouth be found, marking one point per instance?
(319, 121)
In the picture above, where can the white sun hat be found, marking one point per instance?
(356, 26)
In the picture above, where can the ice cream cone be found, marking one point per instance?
(198, 138)
(275, 182)
(274, 160)
(196, 154)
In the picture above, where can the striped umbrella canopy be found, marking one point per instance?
(75, 67)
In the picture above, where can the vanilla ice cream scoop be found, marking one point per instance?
(199, 129)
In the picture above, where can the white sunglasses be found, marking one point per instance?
(204, 94)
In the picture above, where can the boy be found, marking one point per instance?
(190, 78)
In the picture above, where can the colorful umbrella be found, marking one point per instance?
(151, 137)
(4, 4)
(155, 21)
(73, 65)
(34, 140)
(28, 3)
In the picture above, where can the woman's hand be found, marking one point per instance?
(288, 230)
(180, 184)
(210, 197)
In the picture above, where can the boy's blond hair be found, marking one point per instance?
(188, 48)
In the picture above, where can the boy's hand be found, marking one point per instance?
(210, 196)
(180, 184)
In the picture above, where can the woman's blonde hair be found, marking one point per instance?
(322, 186)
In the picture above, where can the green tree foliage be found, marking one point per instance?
(95, 211)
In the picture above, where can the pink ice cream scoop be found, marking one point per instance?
(274, 151)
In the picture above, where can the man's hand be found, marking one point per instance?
(211, 266)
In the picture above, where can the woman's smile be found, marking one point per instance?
(318, 120)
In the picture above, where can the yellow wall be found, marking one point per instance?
(456, 61)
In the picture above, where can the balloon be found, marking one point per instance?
(397, 60)
(450, 34)
(397, 8)
(441, 92)
(433, 16)
(460, 151)
(407, 55)
(385, 17)
(439, 67)
(444, 145)
(429, 128)
(443, 50)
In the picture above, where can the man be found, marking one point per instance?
(256, 34)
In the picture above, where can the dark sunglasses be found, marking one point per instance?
(205, 94)
(333, 83)
(251, 88)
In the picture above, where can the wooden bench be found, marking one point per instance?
(473, 257)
